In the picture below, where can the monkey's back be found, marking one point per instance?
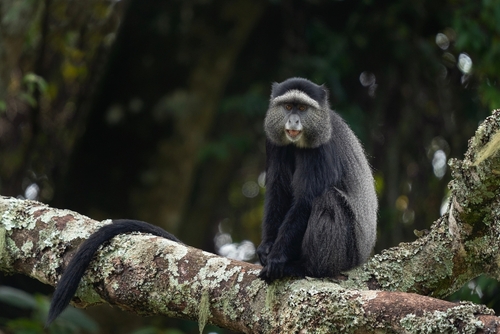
(358, 184)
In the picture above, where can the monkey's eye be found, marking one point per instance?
(302, 107)
(288, 107)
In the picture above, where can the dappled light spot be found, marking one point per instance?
(32, 191)
(442, 41)
(449, 59)
(439, 163)
(250, 189)
(261, 180)
(464, 63)
(402, 202)
(136, 104)
(408, 216)
(242, 251)
(438, 155)
(114, 114)
(368, 79)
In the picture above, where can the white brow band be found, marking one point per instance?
(297, 96)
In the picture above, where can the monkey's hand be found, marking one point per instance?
(263, 251)
(274, 267)
(279, 264)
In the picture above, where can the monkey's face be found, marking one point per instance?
(295, 118)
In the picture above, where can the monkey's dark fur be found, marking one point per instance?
(320, 206)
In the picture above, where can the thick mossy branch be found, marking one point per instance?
(149, 275)
(475, 202)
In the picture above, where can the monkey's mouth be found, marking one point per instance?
(293, 133)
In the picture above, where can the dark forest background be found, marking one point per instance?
(153, 110)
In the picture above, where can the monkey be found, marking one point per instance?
(320, 204)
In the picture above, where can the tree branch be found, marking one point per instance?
(150, 275)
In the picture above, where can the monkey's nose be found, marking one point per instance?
(293, 123)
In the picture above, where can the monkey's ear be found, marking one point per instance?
(274, 89)
(324, 92)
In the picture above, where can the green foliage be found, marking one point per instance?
(477, 33)
(17, 298)
(16, 12)
(252, 103)
(481, 290)
(71, 320)
(3, 107)
(222, 148)
(33, 84)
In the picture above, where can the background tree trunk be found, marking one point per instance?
(51, 55)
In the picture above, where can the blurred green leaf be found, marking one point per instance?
(17, 298)
(481, 290)
(28, 98)
(146, 330)
(253, 103)
(25, 326)
(69, 321)
(32, 80)
(78, 318)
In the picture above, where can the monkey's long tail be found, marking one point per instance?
(72, 275)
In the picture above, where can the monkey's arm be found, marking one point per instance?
(278, 198)
(276, 205)
(73, 273)
(287, 246)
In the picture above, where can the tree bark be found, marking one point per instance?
(149, 275)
